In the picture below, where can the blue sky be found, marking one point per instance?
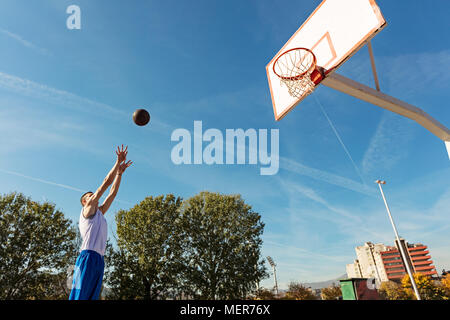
(66, 99)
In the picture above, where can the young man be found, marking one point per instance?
(89, 267)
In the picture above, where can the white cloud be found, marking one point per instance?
(62, 98)
(59, 185)
(410, 74)
(301, 253)
(366, 222)
(404, 76)
(349, 223)
(24, 42)
(311, 194)
(331, 178)
(41, 180)
(388, 145)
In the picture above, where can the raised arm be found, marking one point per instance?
(115, 187)
(121, 156)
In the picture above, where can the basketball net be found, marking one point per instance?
(294, 68)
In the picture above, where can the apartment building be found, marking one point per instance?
(353, 270)
(417, 256)
(369, 263)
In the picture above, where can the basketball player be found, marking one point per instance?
(89, 267)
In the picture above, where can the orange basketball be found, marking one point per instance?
(141, 117)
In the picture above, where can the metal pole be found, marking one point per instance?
(275, 277)
(408, 269)
(273, 265)
(374, 70)
(370, 95)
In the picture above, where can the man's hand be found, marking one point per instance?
(121, 158)
(121, 154)
(115, 187)
(123, 166)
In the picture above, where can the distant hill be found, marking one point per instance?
(324, 284)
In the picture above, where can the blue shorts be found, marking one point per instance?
(87, 276)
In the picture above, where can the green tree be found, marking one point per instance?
(390, 290)
(146, 264)
(333, 292)
(297, 291)
(264, 294)
(446, 284)
(37, 245)
(222, 247)
(428, 288)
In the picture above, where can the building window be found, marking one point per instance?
(389, 254)
(397, 274)
(394, 264)
(392, 259)
(400, 268)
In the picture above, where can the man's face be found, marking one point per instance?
(86, 198)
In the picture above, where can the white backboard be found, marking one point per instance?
(334, 32)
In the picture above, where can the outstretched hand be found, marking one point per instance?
(122, 154)
(123, 166)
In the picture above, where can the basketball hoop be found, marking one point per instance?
(297, 70)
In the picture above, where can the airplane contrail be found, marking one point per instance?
(340, 140)
(51, 183)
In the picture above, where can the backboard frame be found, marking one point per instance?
(326, 37)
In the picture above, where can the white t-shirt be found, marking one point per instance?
(94, 232)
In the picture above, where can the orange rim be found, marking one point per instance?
(301, 75)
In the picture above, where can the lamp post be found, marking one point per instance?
(400, 246)
(273, 265)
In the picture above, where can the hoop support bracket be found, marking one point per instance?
(363, 92)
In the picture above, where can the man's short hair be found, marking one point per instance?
(81, 199)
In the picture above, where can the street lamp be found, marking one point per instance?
(400, 246)
(273, 265)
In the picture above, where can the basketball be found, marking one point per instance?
(141, 117)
